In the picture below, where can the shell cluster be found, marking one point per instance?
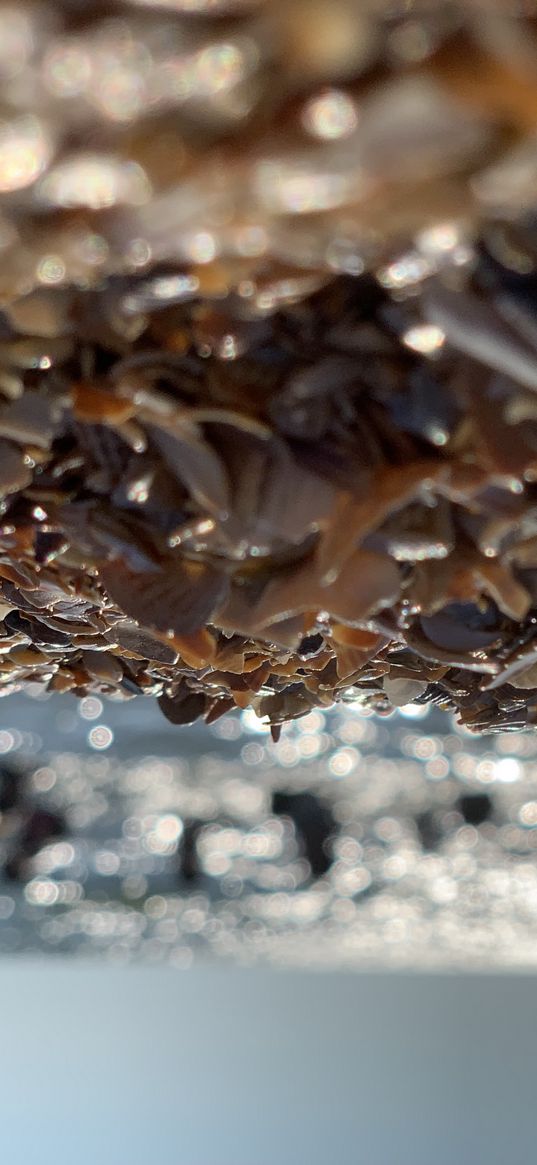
(268, 354)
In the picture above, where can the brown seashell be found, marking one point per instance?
(353, 518)
(15, 473)
(184, 707)
(94, 405)
(181, 597)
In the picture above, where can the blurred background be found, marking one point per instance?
(355, 841)
(293, 915)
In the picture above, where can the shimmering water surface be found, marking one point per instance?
(355, 840)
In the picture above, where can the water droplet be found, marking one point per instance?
(330, 115)
(97, 181)
(25, 151)
(425, 338)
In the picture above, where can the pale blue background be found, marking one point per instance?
(141, 1066)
